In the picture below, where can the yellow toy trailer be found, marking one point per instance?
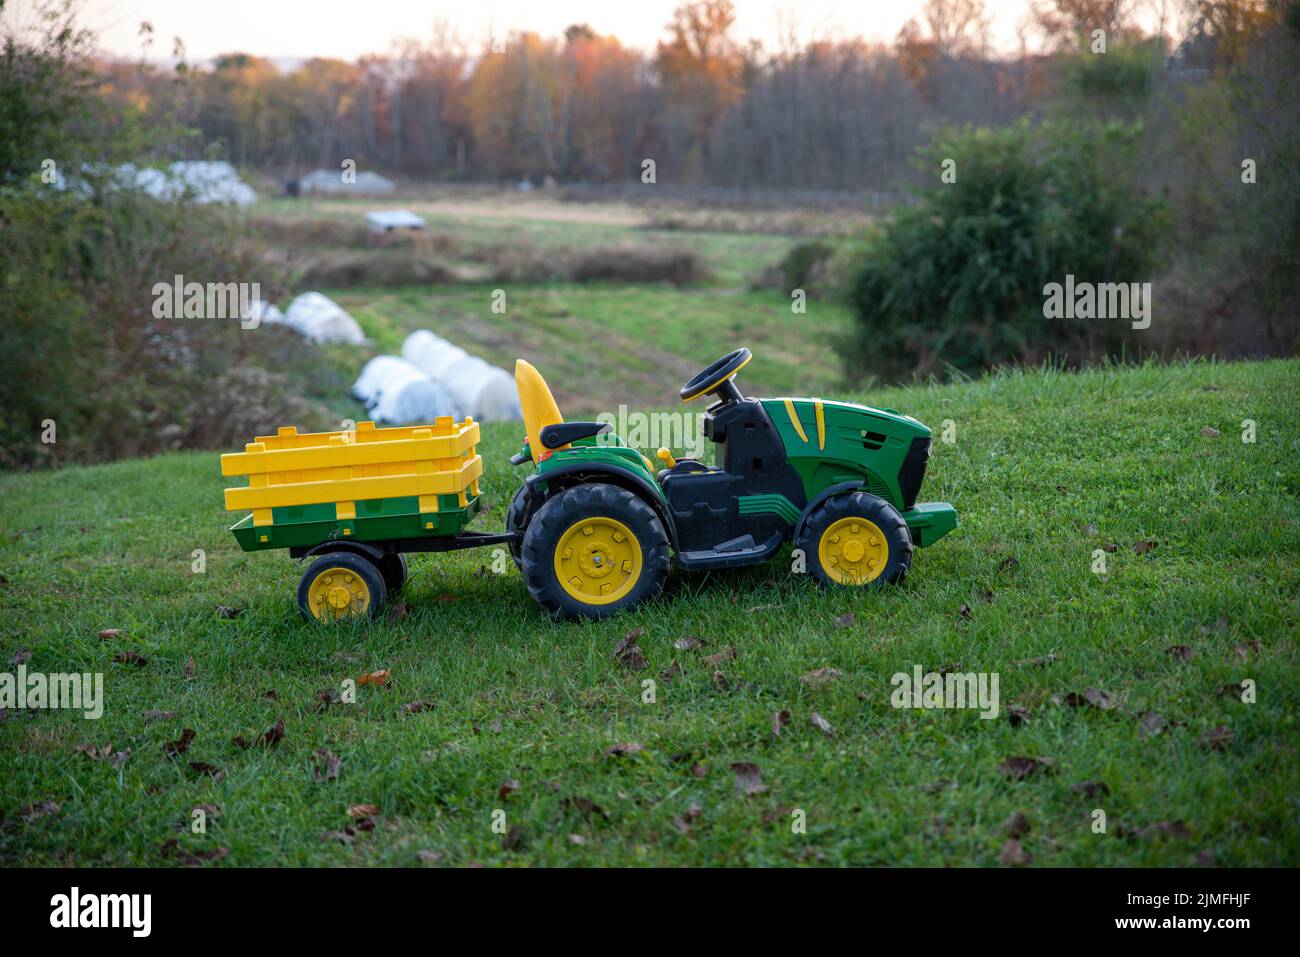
(359, 500)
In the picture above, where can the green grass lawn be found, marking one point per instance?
(1046, 469)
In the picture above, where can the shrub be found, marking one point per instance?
(958, 277)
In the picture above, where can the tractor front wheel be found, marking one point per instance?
(594, 550)
(856, 539)
(341, 586)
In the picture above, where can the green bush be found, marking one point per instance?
(957, 278)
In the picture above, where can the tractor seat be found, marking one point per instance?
(539, 409)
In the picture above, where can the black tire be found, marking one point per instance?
(343, 564)
(395, 570)
(585, 505)
(517, 520)
(838, 512)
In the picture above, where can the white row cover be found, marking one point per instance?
(485, 391)
(314, 316)
(396, 391)
(206, 182)
(329, 182)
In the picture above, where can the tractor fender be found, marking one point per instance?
(839, 488)
(342, 545)
(614, 475)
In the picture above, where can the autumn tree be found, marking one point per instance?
(700, 68)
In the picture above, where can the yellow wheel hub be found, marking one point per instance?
(338, 593)
(853, 551)
(598, 560)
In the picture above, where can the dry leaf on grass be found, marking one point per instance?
(628, 653)
(820, 678)
(1018, 767)
(376, 678)
(748, 780)
(181, 744)
(822, 725)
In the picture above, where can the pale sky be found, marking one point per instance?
(350, 28)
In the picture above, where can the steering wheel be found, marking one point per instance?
(717, 377)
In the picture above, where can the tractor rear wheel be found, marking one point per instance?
(856, 539)
(516, 520)
(594, 550)
(339, 586)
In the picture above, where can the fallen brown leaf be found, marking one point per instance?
(1209, 432)
(621, 750)
(363, 810)
(34, 812)
(513, 839)
(748, 780)
(1151, 724)
(779, 720)
(1008, 563)
(628, 653)
(1091, 789)
(1141, 548)
(822, 725)
(508, 788)
(726, 654)
(584, 806)
(327, 766)
(376, 678)
(273, 735)
(1218, 739)
(820, 678)
(1013, 855)
(690, 643)
(1018, 825)
(415, 707)
(151, 716)
(225, 611)
(720, 681)
(181, 744)
(190, 669)
(108, 634)
(1182, 652)
(1018, 768)
(130, 658)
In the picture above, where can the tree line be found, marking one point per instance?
(707, 107)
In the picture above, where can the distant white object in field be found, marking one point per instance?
(386, 220)
(329, 182)
(204, 181)
(321, 319)
(484, 391)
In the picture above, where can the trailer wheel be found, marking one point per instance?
(594, 550)
(341, 586)
(856, 539)
(395, 570)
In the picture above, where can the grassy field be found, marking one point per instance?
(525, 716)
(599, 344)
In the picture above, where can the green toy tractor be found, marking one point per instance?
(594, 526)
